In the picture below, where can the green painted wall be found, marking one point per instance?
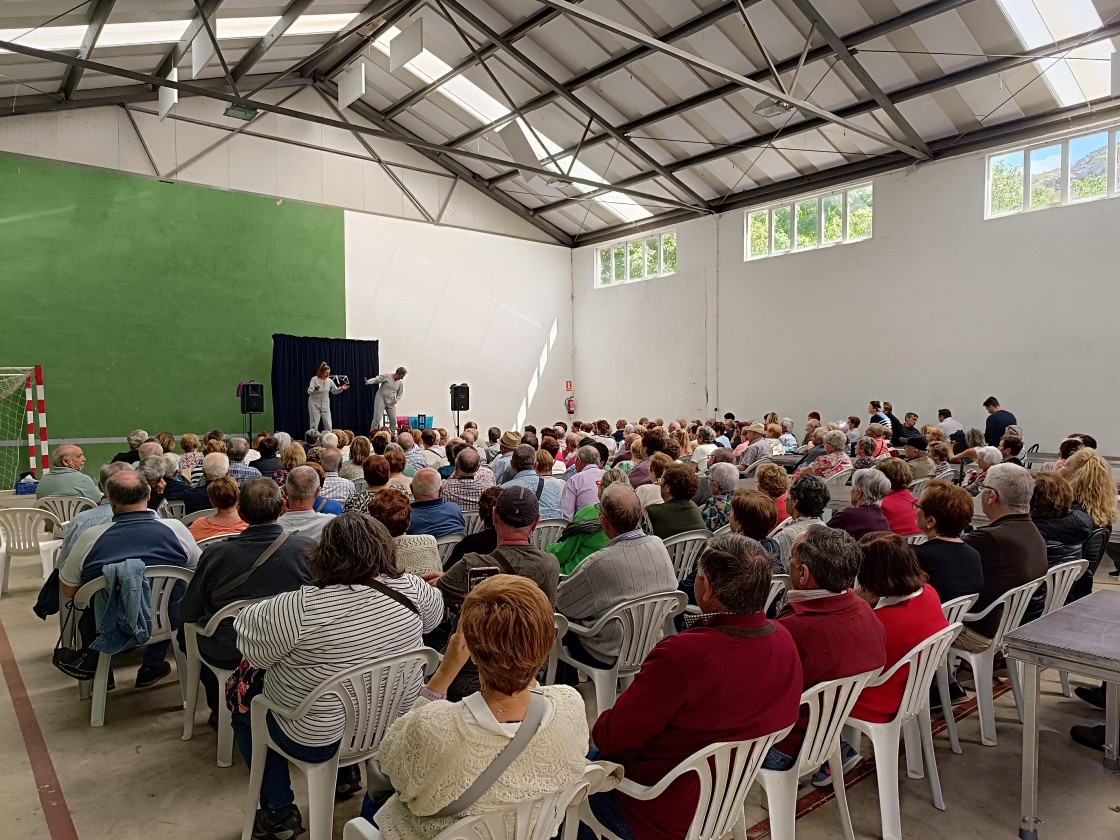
(147, 302)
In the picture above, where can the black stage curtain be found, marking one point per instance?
(294, 361)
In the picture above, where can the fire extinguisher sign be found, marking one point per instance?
(568, 386)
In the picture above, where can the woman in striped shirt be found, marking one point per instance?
(343, 619)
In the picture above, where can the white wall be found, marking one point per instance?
(940, 308)
(457, 306)
(104, 138)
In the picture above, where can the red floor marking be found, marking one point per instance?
(819, 797)
(55, 810)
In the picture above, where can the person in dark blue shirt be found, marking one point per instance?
(998, 421)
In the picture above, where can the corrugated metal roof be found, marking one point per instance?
(683, 138)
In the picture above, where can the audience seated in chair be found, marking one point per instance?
(343, 619)
(952, 566)
(300, 491)
(898, 504)
(731, 676)
(431, 514)
(807, 499)
(375, 472)
(484, 540)
(834, 460)
(360, 449)
(581, 488)
(417, 554)
(99, 515)
(631, 565)
(758, 445)
(135, 438)
(66, 477)
(678, 513)
(467, 483)
(522, 472)
(723, 480)
(917, 457)
(754, 515)
(866, 513)
(334, 486)
(237, 449)
(585, 535)
(214, 465)
(224, 498)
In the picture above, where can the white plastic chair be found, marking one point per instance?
(176, 508)
(214, 540)
(547, 532)
(954, 612)
(534, 819)
(195, 664)
(778, 585)
(918, 486)
(198, 514)
(781, 526)
(1014, 604)
(912, 719)
(644, 622)
(753, 468)
(684, 548)
(916, 539)
(360, 485)
(65, 508)
(162, 580)
(474, 522)
(726, 529)
(19, 530)
(446, 544)
(725, 772)
(373, 696)
(1059, 581)
(829, 704)
(840, 479)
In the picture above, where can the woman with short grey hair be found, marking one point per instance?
(787, 439)
(986, 458)
(835, 459)
(723, 479)
(865, 516)
(865, 454)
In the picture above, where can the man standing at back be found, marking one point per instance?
(998, 421)
(134, 532)
(284, 570)
(732, 676)
(834, 629)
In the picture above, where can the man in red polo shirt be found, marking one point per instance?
(732, 676)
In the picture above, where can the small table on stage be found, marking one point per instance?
(1083, 638)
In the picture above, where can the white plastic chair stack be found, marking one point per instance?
(65, 508)
(1059, 581)
(19, 530)
(954, 611)
(446, 544)
(726, 771)
(373, 696)
(1014, 605)
(684, 548)
(195, 664)
(547, 532)
(913, 720)
(644, 622)
(829, 704)
(162, 580)
(535, 819)
(198, 514)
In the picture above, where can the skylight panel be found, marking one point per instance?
(429, 68)
(46, 38)
(1085, 74)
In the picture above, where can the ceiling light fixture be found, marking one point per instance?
(773, 108)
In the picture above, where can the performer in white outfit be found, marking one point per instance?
(390, 389)
(319, 392)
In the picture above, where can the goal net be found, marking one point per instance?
(15, 456)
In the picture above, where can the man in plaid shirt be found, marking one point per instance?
(237, 449)
(334, 486)
(467, 484)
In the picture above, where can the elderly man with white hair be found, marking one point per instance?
(239, 470)
(582, 489)
(723, 479)
(1012, 551)
(705, 446)
(430, 513)
(334, 485)
(835, 459)
(413, 455)
(866, 513)
(66, 477)
(214, 465)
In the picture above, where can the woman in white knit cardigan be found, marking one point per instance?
(437, 750)
(417, 554)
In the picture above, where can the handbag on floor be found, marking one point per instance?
(80, 664)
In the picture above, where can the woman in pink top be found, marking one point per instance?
(898, 505)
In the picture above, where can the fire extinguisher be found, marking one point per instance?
(570, 405)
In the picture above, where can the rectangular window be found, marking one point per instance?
(813, 222)
(641, 258)
(1054, 173)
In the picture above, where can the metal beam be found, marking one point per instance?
(143, 142)
(704, 64)
(368, 112)
(838, 46)
(951, 80)
(690, 27)
(98, 15)
(575, 102)
(291, 14)
(176, 53)
(341, 63)
(862, 36)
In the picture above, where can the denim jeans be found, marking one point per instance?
(776, 760)
(276, 787)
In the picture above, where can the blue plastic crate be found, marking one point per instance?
(26, 488)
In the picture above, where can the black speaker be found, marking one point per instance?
(252, 398)
(461, 397)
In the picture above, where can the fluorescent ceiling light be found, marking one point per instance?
(772, 109)
(1039, 23)
(429, 68)
(169, 31)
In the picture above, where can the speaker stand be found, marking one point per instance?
(456, 423)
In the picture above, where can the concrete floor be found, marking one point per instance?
(135, 777)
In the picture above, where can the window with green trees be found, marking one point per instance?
(813, 222)
(1053, 173)
(647, 256)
